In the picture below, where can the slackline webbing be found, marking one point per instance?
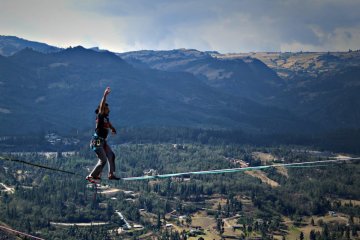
(217, 171)
(232, 170)
(37, 165)
(6, 229)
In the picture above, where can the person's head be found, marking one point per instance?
(106, 109)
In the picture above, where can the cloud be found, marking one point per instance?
(225, 26)
(56, 23)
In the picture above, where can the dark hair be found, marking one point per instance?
(97, 109)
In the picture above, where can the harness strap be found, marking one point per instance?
(97, 136)
(96, 142)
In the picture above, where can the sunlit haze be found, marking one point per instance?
(217, 25)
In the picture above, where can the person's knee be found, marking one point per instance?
(102, 162)
(111, 156)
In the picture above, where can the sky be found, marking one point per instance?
(226, 26)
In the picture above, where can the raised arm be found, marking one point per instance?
(103, 100)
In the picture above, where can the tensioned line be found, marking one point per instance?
(217, 171)
(232, 170)
(6, 229)
(37, 165)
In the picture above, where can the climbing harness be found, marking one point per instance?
(96, 142)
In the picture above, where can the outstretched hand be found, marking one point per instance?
(107, 91)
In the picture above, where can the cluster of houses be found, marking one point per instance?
(105, 189)
(179, 147)
(127, 225)
(238, 162)
(55, 139)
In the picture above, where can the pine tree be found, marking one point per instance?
(158, 223)
(347, 233)
(325, 233)
(301, 236)
(312, 235)
(188, 220)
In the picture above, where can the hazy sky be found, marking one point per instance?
(220, 25)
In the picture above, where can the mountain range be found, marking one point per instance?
(11, 44)
(45, 88)
(321, 87)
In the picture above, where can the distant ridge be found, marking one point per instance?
(11, 44)
(255, 92)
(59, 91)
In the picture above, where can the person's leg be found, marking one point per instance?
(111, 158)
(101, 154)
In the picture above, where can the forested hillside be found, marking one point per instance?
(243, 205)
(253, 92)
(180, 111)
